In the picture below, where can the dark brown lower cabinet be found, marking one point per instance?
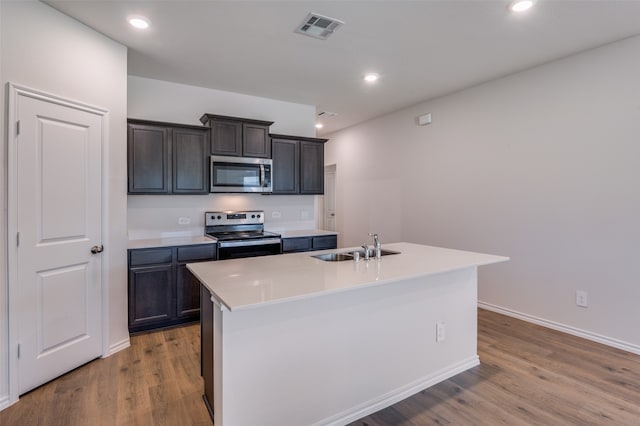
(187, 293)
(150, 296)
(162, 291)
(206, 348)
(320, 242)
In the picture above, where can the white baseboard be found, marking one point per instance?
(5, 401)
(619, 344)
(399, 394)
(117, 347)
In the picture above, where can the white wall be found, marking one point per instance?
(45, 50)
(542, 166)
(154, 216)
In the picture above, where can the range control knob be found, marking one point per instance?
(253, 216)
(258, 216)
(219, 217)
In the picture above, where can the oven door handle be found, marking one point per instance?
(245, 243)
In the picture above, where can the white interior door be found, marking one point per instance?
(59, 220)
(330, 198)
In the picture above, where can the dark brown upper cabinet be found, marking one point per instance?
(298, 164)
(148, 158)
(312, 167)
(286, 166)
(238, 137)
(167, 158)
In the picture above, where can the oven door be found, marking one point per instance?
(238, 174)
(249, 248)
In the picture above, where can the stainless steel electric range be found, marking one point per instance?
(241, 234)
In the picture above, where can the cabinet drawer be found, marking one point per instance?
(201, 252)
(155, 256)
(325, 242)
(296, 244)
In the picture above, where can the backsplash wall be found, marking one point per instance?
(156, 216)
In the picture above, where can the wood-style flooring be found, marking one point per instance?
(156, 381)
(529, 375)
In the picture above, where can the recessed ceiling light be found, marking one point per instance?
(520, 5)
(371, 77)
(319, 125)
(140, 22)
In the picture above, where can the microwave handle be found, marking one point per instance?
(262, 175)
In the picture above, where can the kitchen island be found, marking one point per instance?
(295, 340)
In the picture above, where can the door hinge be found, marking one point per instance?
(18, 350)
(18, 127)
(18, 239)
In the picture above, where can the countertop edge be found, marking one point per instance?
(301, 233)
(169, 242)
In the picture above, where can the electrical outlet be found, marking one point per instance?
(184, 220)
(582, 299)
(441, 332)
(276, 215)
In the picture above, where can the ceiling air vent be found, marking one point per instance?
(327, 114)
(318, 26)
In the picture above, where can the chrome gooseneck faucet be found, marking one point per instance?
(376, 245)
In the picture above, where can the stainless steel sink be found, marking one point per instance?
(334, 257)
(383, 252)
(340, 257)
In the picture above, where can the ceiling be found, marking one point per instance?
(420, 49)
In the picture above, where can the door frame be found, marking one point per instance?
(15, 91)
(329, 169)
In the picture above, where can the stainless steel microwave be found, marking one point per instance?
(240, 174)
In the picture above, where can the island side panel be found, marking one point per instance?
(338, 357)
(219, 356)
(206, 347)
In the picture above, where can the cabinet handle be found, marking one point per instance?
(97, 249)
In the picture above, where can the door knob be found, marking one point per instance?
(97, 249)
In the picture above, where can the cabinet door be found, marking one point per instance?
(195, 253)
(292, 245)
(149, 153)
(226, 138)
(187, 293)
(311, 168)
(187, 285)
(190, 161)
(150, 257)
(151, 298)
(325, 242)
(286, 168)
(256, 141)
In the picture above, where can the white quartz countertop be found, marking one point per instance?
(306, 233)
(259, 281)
(172, 241)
